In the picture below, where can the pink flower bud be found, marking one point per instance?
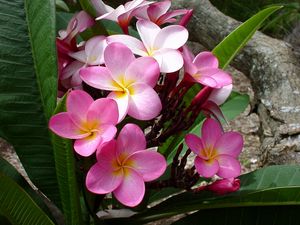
(224, 186)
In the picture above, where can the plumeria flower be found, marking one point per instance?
(79, 22)
(216, 151)
(124, 165)
(204, 69)
(224, 186)
(91, 55)
(161, 44)
(90, 123)
(122, 14)
(158, 13)
(130, 81)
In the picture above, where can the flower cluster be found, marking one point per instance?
(125, 85)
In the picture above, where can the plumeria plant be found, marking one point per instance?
(117, 121)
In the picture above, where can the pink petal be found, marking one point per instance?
(80, 56)
(103, 111)
(229, 166)
(173, 36)
(220, 95)
(133, 4)
(94, 49)
(78, 103)
(187, 55)
(194, 143)
(206, 59)
(84, 20)
(144, 70)
(117, 58)
(122, 99)
(169, 60)
(130, 140)
(157, 9)
(206, 80)
(135, 45)
(222, 79)
(148, 32)
(144, 103)
(62, 125)
(131, 191)
(230, 143)
(211, 131)
(149, 164)
(168, 17)
(99, 77)
(71, 69)
(107, 132)
(103, 177)
(88, 145)
(206, 168)
(113, 15)
(100, 7)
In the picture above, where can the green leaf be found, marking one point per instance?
(236, 40)
(61, 5)
(28, 84)
(275, 215)
(17, 206)
(270, 186)
(235, 105)
(66, 175)
(8, 170)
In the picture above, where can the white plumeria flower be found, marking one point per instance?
(161, 44)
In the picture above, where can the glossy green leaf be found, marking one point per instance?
(236, 40)
(273, 215)
(66, 175)
(28, 84)
(270, 186)
(17, 206)
(8, 170)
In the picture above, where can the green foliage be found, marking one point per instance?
(17, 206)
(28, 84)
(66, 175)
(277, 25)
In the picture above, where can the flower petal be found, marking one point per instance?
(62, 125)
(194, 143)
(88, 145)
(169, 60)
(173, 36)
(168, 17)
(117, 58)
(100, 7)
(148, 32)
(148, 163)
(222, 78)
(205, 80)
(71, 69)
(130, 140)
(103, 177)
(229, 166)
(108, 132)
(80, 56)
(220, 95)
(144, 70)
(144, 103)
(122, 100)
(211, 131)
(135, 45)
(230, 143)
(206, 59)
(103, 111)
(158, 9)
(99, 77)
(94, 49)
(78, 103)
(206, 168)
(132, 189)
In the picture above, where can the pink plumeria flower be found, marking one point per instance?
(161, 44)
(130, 81)
(224, 186)
(79, 22)
(122, 14)
(219, 96)
(90, 123)
(158, 13)
(124, 165)
(204, 69)
(216, 151)
(91, 55)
